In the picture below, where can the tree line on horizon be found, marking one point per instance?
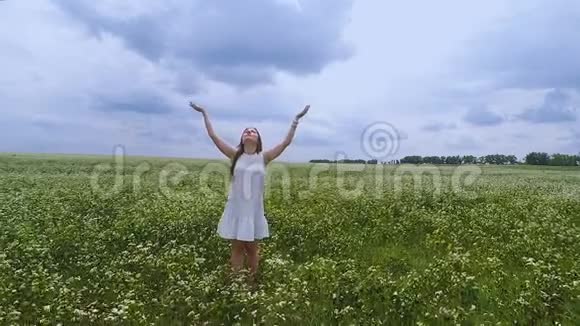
(533, 158)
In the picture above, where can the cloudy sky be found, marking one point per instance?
(436, 78)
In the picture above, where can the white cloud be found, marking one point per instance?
(123, 72)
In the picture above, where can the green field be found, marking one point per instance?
(80, 243)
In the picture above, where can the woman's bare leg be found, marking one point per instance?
(253, 253)
(237, 257)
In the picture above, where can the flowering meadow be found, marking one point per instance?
(86, 240)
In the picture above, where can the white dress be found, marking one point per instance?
(243, 217)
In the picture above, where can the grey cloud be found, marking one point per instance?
(521, 135)
(43, 122)
(571, 142)
(439, 126)
(573, 136)
(537, 48)
(140, 102)
(481, 116)
(464, 143)
(312, 139)
(239, 42)
(241, 75)
(557, 107)
(172, 133)
(49, 134)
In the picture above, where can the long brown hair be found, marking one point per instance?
(240, 150)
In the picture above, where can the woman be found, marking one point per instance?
(243, 221)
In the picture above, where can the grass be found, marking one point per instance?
(412, 244)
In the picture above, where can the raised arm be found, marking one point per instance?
(273, 153)
(226, 149)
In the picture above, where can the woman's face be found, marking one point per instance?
(250, 135)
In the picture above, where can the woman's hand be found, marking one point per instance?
(197, 107)
(271, 154)
(303, 113)
(225, 148)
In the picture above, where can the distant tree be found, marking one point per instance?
(493, 159)
(537, 158)
(469, 159)
(414, 159)
(563, 160)
(453, 159)
(433, 160)
(350, 161)
(533, 158)
(497, 159)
